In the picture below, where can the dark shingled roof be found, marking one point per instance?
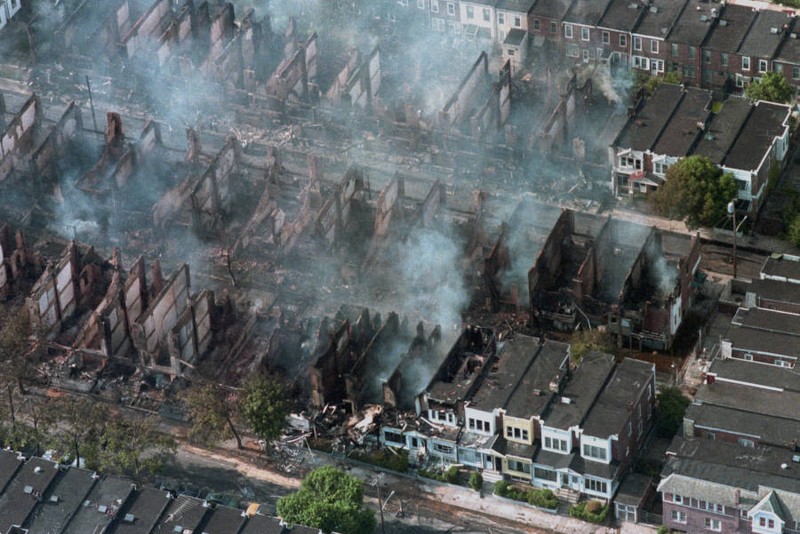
(261, 524)
(143, 511)
(768, 320)
(548, 365)
(693, 24)
(642, 131)
(96, 511)
(782, 266)
(733, 369)
(622, 15)
(21, 495)
(723, 129)
(767, 429)
(789, 51)
(185, 512)
(582, 389)
(503, 377)
(659, 18)
(611, 410)
(554, 9)
(586, 13)
(681, 133)
(760, 41)
(764, 124)
(69, 490)
(223, 520)
(520, 6)
(732, 28)
(9, 463)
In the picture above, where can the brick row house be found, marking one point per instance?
(736, 465)
(527, 414)
(709, 44)
(748, 140)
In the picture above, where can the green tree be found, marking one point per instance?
(586, 341)
(263, 404)
(794, 231)
(671, 404)
(15, 347)
(82, 423)
(695, 191)
(772, 86)
(134, 447)
(331, 500)
(211, 413)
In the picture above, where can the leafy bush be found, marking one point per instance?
(385, 458)
(450, 476)
(476, 481)
(664, 529)
(543, 498)
(583, 510)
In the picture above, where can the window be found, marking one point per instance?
(706, 56)
(711, 435)
(584, 34)
(745, 63)
(675, 50)
(623, 40)
(434, 6)
(678, 516)
(692, 52)
(606, 37)
(762, 65)
(421, 4)
(510, 51)
(743, 186)
(677, 499)
(536, 24)
(545, 474)
(393, 437)
(713, 524)
(654, 46)
(487, 15)
(782, 363)
(568, 31)
(764, 522)
(724, 60)
(517, 433)
(591, 451)
(517, 22)
(555, 444)
(470, 12)
(509, 432)
(630, 428)
(719, 508)
(451, 8)
(444, 449)
(477, 424)
(637, 43)
(659, 168)
(553, 26)
(657, 65)
(744, 442)
(501, 18)
(521, 467)
(597, 486)
(796, 73)
(688, 71)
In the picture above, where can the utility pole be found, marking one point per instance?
(732, 212)
(91, 102)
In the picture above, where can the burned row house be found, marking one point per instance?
(634, 280)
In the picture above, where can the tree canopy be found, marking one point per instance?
(772, 86)
(210, 412)
(264, 406)
(331, 500)
(695, 191)
(134, 447)
(671, 406)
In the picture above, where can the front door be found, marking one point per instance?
(564, 480)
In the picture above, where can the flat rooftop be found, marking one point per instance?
(770, 430)
(580, 392)
(610, 411)
(768, 320)
(533, 391)
(782, 266)
(749, 399)
(736, 370)
(505, 373)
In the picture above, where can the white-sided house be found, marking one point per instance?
(556, 465)
(512, 15)
(478, 20)
(8, 8)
